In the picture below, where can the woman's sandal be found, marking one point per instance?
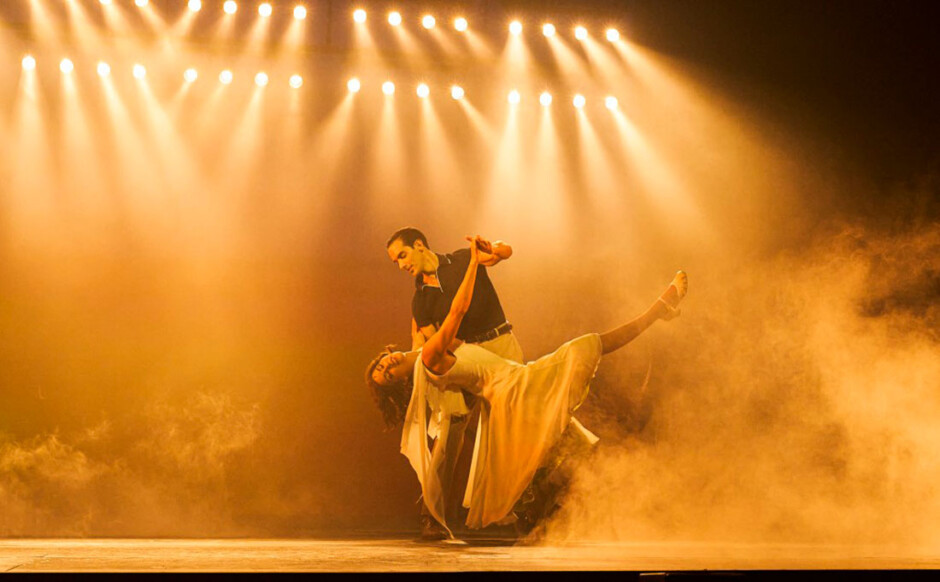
(681, 283)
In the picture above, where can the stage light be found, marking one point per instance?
(190, 75)
(195, 5)
(611, 103)
(388, 88)
(354, 85)
(359, 16)
(230, 7)
(428, 22)
(579, 101)
(423, 90)
(515, 27)
(457, 92)
(141, 3)
(29, 63)
(139, 71)
(66, 66)
(514, 97)
(105, 2)
(296, 81)
(264, 10)
(545, 98)
(225, 77)
(104, 69)
(300, 12)
(460, 24)
(261, 79)
(548, 29)
(580, 33)
(394, 18)
(613, 35)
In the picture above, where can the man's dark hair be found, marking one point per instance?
(408, 236)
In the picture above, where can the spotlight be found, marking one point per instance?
(264, 10)
(190, 75)
(613, 35)
(514, 97)
(394, 18)
(457, 92)
(580, 33)
(104, 69)
(354, 85)
(296, 81)
(230, 7)
(423, 91)
(66, 66)
(195, 5)
(545, 98)
(611, 103)
(225, 77)
(460, 24)
(300, 12)
(105, 2)
(359, 16)
(139, 71)
(515, 27)
(141, 3)
(261, 79)
(29, 63)
(548, 29)
(388, 88)
(428, 22)
(579, 101)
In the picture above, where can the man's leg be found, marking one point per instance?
(505, 346)
(451, 440)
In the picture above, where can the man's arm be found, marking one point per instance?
(493, 253)
(419, 335)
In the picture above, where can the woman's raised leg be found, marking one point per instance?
(666, 307)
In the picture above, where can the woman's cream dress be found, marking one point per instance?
(525, 409)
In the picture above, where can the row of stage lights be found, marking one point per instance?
(394, 18)
(354, 85)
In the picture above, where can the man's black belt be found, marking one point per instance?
(494, 333)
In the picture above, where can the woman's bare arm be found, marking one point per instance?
(435, 349)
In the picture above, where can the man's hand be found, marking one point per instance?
(484, 245)
(420, 335)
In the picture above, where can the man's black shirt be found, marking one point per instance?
(431, 304)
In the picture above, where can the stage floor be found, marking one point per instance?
(402, 555)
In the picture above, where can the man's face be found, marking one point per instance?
(409, 259)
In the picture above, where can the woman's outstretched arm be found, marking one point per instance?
(435, 349)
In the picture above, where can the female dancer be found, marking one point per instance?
(526, 407)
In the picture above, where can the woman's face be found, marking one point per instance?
(391, 369)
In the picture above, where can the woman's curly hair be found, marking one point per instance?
(392, 399)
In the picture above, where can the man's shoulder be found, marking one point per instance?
(456, 258)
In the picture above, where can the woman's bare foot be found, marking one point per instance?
(674, 294)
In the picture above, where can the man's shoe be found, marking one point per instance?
(431, 530)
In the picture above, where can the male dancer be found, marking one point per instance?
(437, 278)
